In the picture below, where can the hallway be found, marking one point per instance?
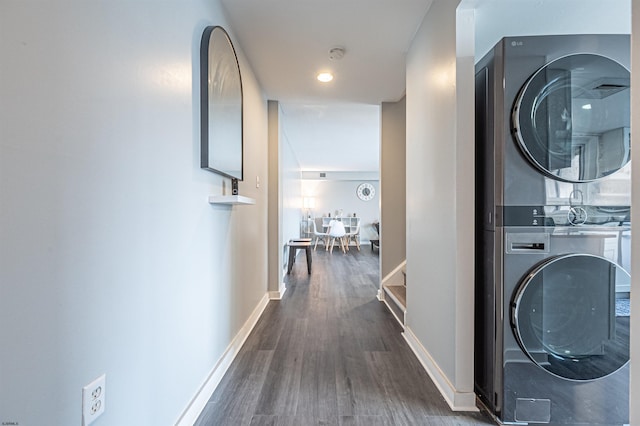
(329, 353)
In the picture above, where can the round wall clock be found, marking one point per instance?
(365, 191)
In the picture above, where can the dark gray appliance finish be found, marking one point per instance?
(562, 338)
(512, 178)
(552, 191)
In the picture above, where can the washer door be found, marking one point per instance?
(564, 317)
(572, 118)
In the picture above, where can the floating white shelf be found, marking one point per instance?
(230, 199)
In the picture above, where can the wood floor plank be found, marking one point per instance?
(243, 384)
(329, 353)
(460, 420)
(408, 399)
(322, 326)
(260, 420)
(367, 421)
(267, 331)
(358, 391)
(318, 394)
(281, 388)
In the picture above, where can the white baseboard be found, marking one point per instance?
(393, 273)
(277, 295)
(458, 401)
(202, 396)
(400, 321)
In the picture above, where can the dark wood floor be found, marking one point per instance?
(329, 353)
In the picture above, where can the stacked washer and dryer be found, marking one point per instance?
(553, 230)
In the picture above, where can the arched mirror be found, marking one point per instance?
(220, 105)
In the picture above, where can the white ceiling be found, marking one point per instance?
(334, 137)
(287, 43)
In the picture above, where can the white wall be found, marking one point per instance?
(495, 19)
(332, 195)
(284, 199)
(111, 259)
(275, 251)
(393, 196)
(291, 193)
(439, 270)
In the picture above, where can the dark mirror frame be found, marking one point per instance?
(210, 149)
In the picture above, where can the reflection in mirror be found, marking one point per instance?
(572, 118)
(220, 105)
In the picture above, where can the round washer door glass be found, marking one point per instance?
(572, 118)
(568, 320)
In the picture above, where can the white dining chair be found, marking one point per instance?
(354, 234)
(337, 232)
(324, 236)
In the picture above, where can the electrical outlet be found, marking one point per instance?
(93, 397)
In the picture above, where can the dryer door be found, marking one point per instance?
(564, 316)
(572, 118)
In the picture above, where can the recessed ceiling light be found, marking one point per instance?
(325, 77)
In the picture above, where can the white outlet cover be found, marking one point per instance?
(93, 400)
